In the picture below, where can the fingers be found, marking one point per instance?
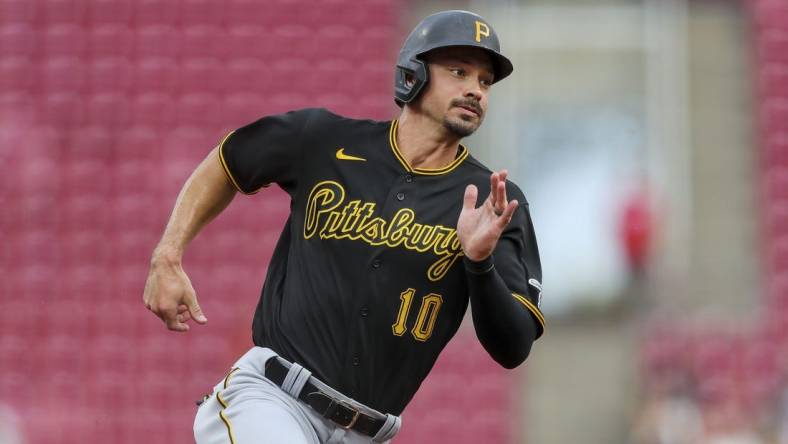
(494, 180)
(169, 314)
(469, 201)
(502, 188)
(506, 215)
(194, 309)
(183, 313)
(174, 310)
(497, 197)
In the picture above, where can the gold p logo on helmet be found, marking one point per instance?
(481, 30)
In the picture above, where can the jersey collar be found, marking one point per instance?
(426, 171)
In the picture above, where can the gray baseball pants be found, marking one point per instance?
(247, 408)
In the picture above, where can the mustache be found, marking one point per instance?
(468, 103)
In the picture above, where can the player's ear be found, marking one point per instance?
(410, 80)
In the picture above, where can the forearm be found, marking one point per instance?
(205, 194)
(505, 327)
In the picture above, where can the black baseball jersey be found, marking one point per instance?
(366, 284)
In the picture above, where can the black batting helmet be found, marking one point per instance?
(441, 30)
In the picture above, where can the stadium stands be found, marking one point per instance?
(115, 103)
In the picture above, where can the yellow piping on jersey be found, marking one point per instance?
(227, 170)
(531, 307)
(224, 406)
(426, 171)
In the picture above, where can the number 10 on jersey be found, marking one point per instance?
(425, 321)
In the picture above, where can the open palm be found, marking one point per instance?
(480, 228)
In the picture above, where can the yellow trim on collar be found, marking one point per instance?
(425, 171)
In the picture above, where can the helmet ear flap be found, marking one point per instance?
(409, 81)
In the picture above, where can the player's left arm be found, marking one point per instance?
(503, 272)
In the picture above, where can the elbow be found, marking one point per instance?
(513, 358)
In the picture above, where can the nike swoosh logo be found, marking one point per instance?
(342, 156)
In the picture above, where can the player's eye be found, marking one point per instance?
(459, 72)
(486, 82)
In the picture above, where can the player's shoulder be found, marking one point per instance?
(322, 118)
(480, 176)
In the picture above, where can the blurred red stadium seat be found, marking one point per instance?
(774, 115)
(379, 43)
(191, 143)
(92, 142)
(775, 183)
(86, 282)
(156, 74)
(772, 45)
(487, 426)
(139, 143)
(199, 41)
(770, 14)
(775, 150)
(102, 12)
(65, 40)
(325, 76)
(16, 74)
(114, 40)
(194, 12)
(291, 39)
(86, 177)
(776, 218)
(247, 75)
(63, 11)
(17, 40)
(63, 110)
(335, 41)
(85, 247)
(241, 108)
(137, 177)
(133, 212)
(110, 75)
(247, 41)
(63, 74)
(197, 110)
(129, 97)
(155, 110)
(156, 41)
(205, 75)
(249, 12)
(156, 12)
(15, 100)
(17, 11)
(109, 110)
(85, 210)
(774, 80)
(136, 246)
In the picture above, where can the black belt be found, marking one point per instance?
(336, 410)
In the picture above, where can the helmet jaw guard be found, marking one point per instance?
(442, 30)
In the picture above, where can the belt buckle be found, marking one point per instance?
(356, 415)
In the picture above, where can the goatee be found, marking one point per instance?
(460, 129)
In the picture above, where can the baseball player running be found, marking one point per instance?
(394, 228)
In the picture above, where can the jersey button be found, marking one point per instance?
(376, 263)
(364, 311)
(356, 361)
(400, 196)
(408, 178)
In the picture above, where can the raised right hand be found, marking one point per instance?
(170, 296)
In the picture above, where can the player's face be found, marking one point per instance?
(456, 95)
